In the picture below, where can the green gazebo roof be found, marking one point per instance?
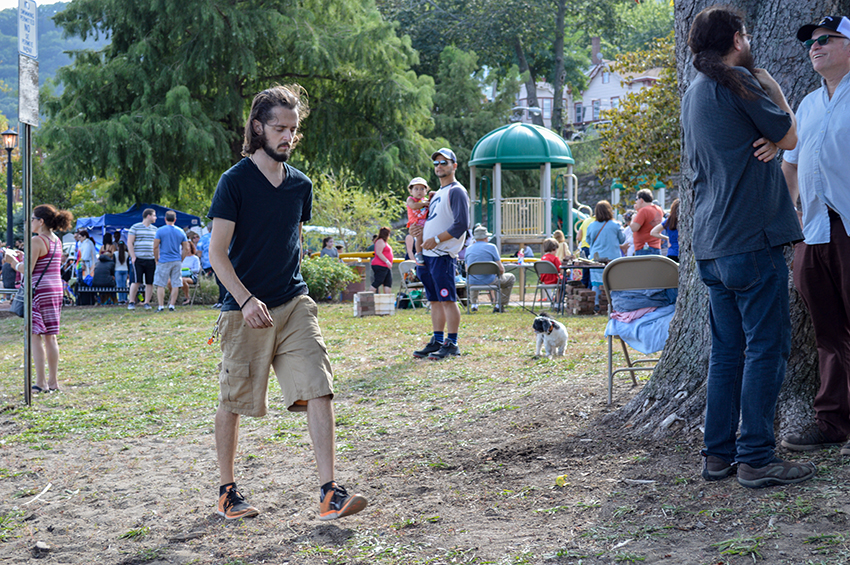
(521, 146)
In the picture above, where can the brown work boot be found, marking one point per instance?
(716, 469)
(810, 439)
(777, 472)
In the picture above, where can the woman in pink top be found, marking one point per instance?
(382, 264)
(44, 274)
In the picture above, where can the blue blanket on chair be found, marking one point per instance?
(648, 333)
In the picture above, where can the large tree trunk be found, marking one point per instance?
(530, 83)
(558, 72)
(677, 386)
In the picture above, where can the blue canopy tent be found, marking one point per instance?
(108, 223)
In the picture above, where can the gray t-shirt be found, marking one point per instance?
(741, 204)
(143, 244)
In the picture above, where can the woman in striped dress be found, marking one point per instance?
(47, 296)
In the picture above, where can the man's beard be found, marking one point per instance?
(281, 157)
(746, 60)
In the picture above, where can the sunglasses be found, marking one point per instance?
(440, 163)
(822, 40)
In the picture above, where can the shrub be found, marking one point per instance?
(326, 276)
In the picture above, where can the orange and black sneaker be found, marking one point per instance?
(334, 502)
(232, 505)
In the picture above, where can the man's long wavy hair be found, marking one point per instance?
(712, 36)
(292, 96)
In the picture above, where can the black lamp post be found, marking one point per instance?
(10, 138)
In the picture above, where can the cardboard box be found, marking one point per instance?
(364, 304)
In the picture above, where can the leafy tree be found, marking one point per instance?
(165, 101)
(545, 40)
(638, 24)
(339, 202)
(461, 115)
(643, 136)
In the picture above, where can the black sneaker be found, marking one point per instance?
(232, 505)
(432, 347)
(447, 350)
(716, 469)
(336, 503)
(810, 439)
(777, 472)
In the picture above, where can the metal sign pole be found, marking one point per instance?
(26, 175)
(28, 117)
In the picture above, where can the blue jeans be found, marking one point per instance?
(121, 282)
(648, 251)
(750, 345)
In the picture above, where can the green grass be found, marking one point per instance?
(134, 374)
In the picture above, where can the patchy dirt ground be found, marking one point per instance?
(459, 461)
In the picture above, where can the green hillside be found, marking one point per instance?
(52, 52)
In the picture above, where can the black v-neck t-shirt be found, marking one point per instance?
(266, 248)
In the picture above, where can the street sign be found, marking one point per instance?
(28, 28)
(28, 90)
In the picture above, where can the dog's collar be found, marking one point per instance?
(551, 328)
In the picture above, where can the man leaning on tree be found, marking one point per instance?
(818, 171)
(734, 118)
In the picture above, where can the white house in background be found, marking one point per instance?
(605, 89)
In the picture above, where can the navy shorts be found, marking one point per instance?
(438, 276)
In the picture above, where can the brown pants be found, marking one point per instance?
(822, 276)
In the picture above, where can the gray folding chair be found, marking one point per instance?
(548, 290)
(483, 268)
(641, 272)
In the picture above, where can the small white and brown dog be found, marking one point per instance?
(551, 335)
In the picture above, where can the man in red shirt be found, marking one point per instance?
(647, 217)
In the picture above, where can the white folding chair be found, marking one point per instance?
(641, 272)
(483, 268)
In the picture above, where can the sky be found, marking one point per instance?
(13, 4)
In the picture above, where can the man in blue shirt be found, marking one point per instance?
(481, 250)
(817, 171)
(734, 116)
(169, 247)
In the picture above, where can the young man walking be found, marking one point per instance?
(734, 117)
(818, 171)
(442, 239)
(267, 320)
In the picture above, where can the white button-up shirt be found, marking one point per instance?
(822, 157)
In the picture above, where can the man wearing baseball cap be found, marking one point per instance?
(443, 236)
(818, 171)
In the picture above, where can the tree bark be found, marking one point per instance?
(558, 71)
(530, 83)
(677, 385)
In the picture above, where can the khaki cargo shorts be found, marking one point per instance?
(294, 348)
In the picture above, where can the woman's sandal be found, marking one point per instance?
(35, 389)
(53, 390)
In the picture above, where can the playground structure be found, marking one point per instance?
(520, 146)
